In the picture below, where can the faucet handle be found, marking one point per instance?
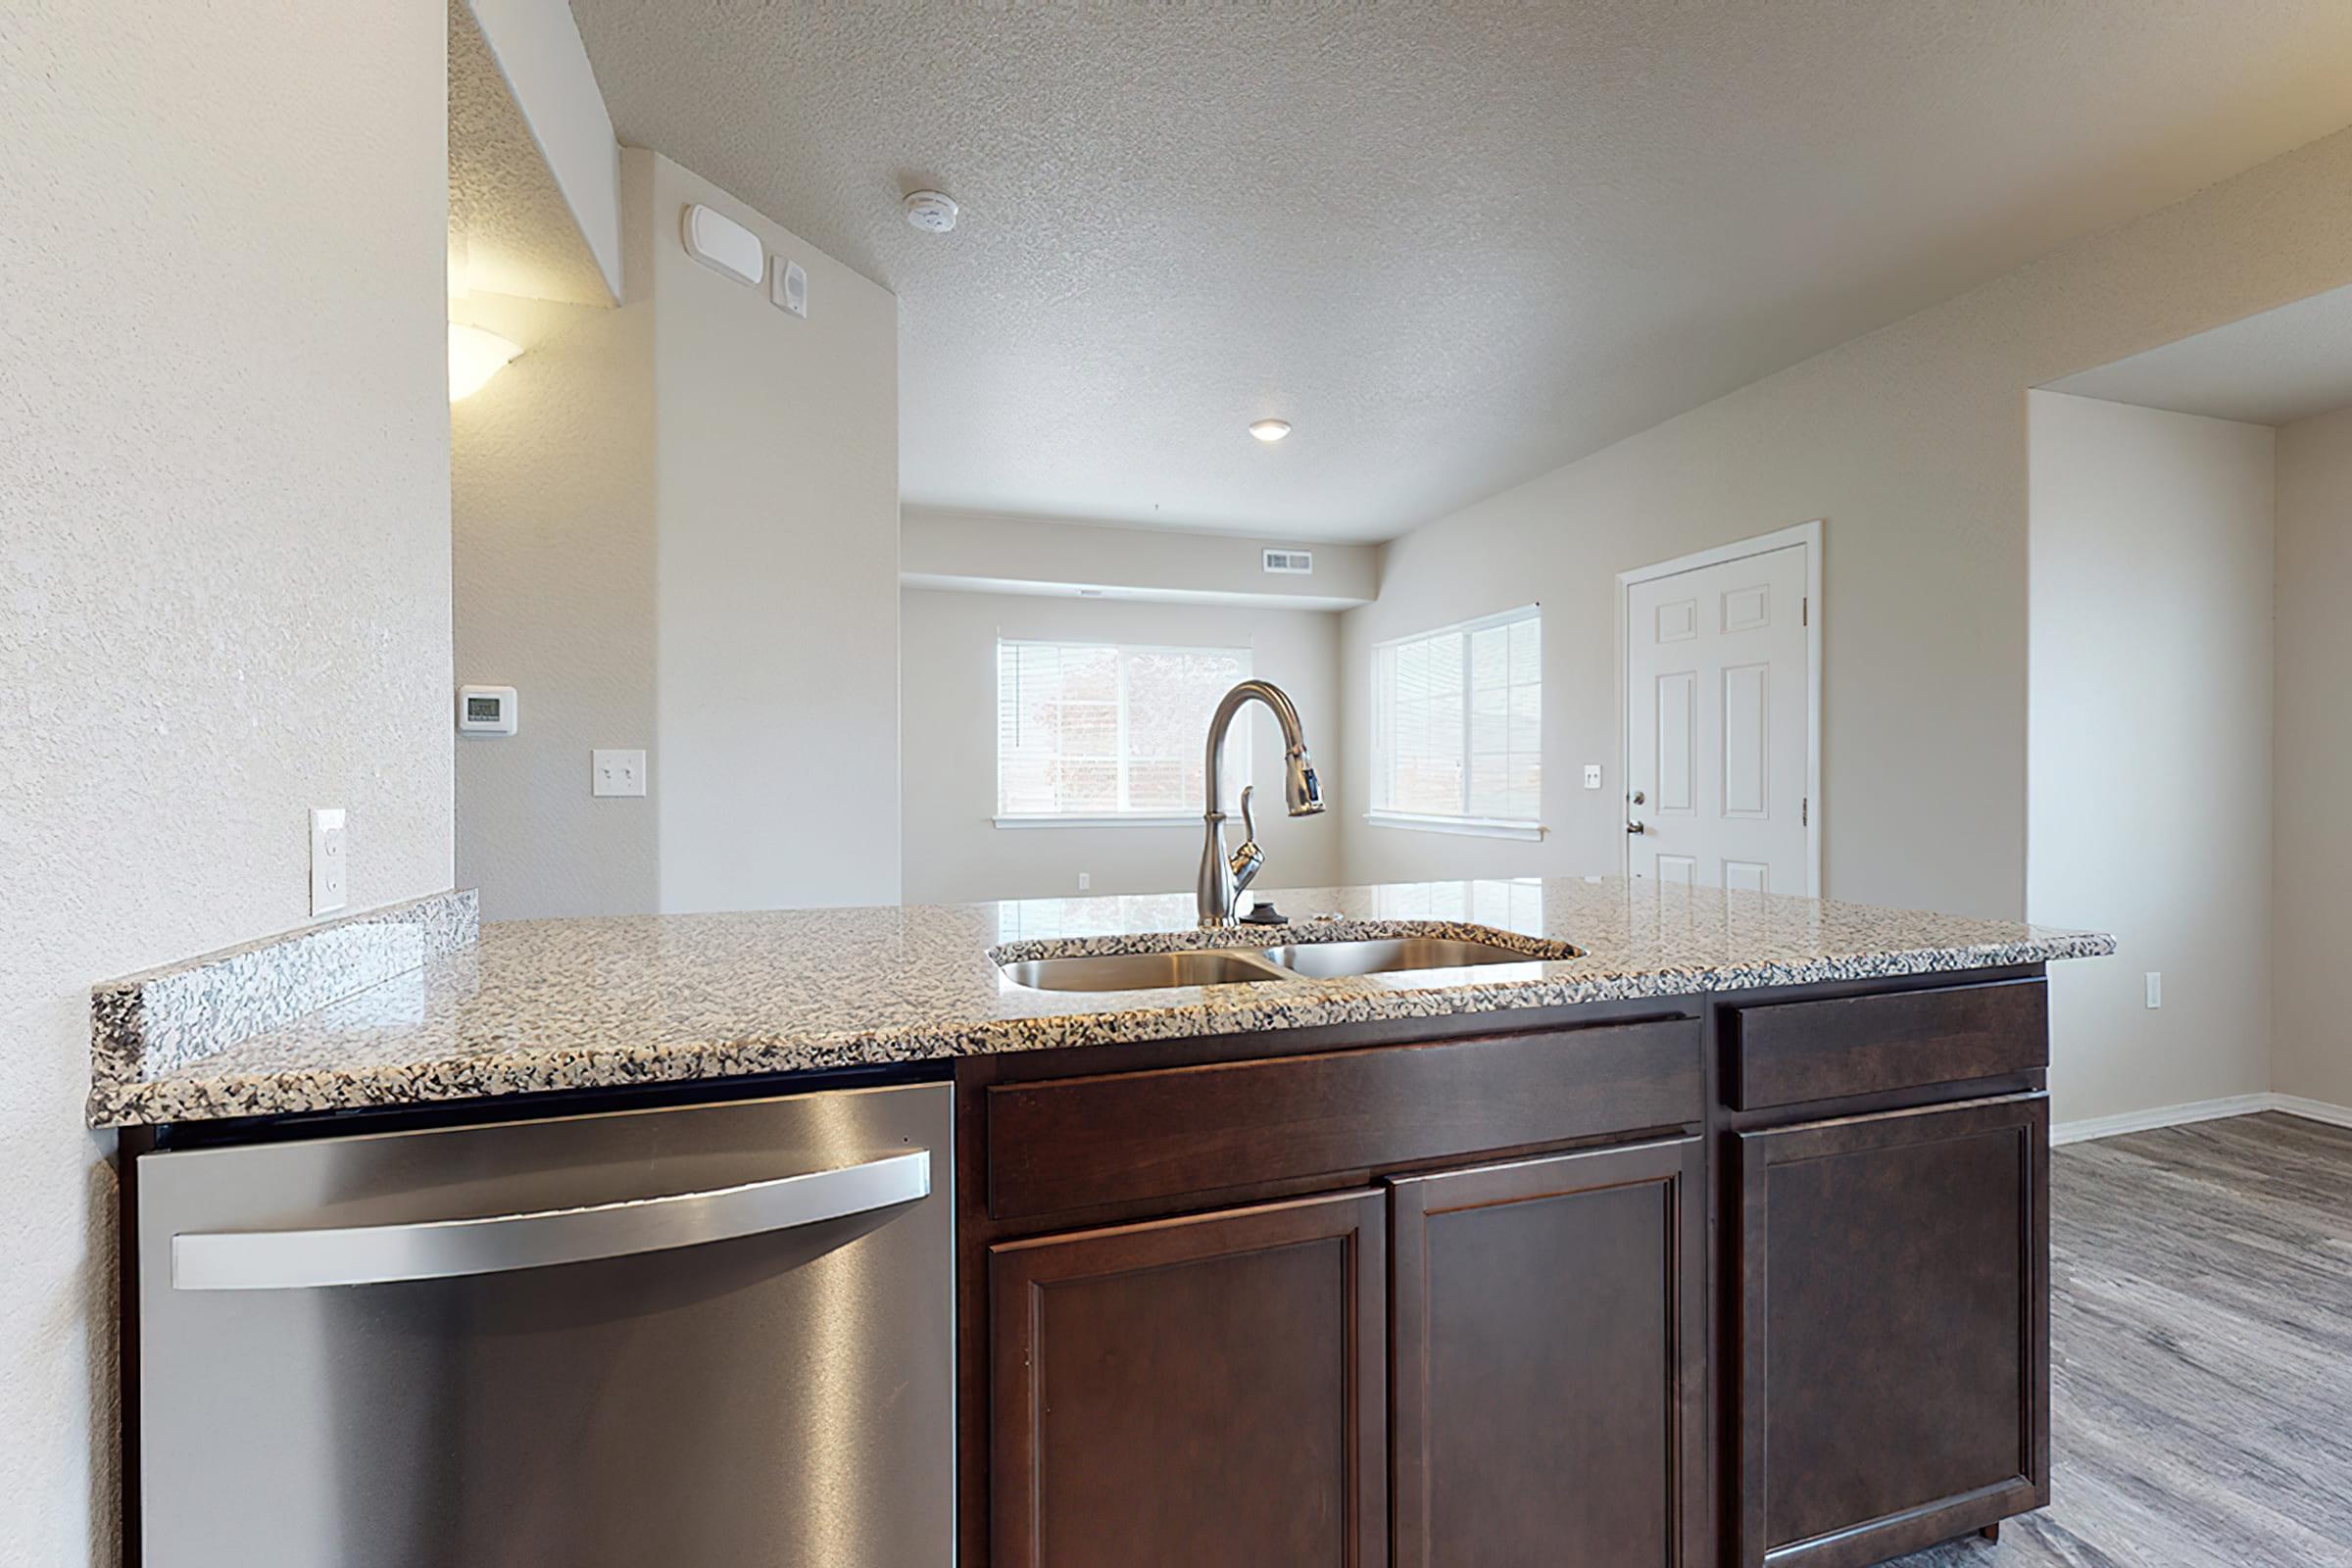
(1245, 861)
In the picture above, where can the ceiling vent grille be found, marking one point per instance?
(1296, 563)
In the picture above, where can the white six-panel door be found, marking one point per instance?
(1718, 724)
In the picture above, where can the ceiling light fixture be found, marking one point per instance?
(930, 211)
(474, 357)
(1270, 429)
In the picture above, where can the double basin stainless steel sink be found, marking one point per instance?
(1217, 966)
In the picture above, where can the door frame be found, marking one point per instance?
(1807, 534)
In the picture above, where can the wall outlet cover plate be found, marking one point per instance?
(330, 870)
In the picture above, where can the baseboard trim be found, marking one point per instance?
(2313, 1109)
(2140, 1121)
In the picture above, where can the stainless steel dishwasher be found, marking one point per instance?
(715, 1334)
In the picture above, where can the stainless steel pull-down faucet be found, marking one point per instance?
(1224, 876)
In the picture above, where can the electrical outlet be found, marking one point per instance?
(1085, 881)
(331, 878)
(2155, 988)
(616, 772)
(1592, 775)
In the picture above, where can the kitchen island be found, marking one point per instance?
(1712, 1229)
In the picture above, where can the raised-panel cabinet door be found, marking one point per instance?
(1891, 1278)
(1193, 1390)
(1551, 1364)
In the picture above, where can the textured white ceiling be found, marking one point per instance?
(2274, 368)
(508, 220)
(1457, 243)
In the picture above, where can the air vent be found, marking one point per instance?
(724, 246)
(1298, 563)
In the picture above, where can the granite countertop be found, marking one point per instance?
(545, 1005)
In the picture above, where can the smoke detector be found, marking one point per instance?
(930, 211)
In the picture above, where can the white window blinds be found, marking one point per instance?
(1100, 729)
(1457, 726)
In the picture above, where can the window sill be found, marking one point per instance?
(1116, 819)
(1485, 827)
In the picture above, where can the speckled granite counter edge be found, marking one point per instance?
(1220, 1009)
(181, 1013)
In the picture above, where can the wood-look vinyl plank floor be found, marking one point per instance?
(2201, 1355)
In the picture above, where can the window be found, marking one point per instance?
(1457, 727)
(1091, 732)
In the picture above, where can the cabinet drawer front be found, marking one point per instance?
(1076, 1143)
(1789, 1052)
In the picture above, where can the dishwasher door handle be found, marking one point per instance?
(499, 1244)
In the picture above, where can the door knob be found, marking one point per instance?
(1636, 827)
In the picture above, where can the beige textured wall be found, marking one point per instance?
(223, 578)
(954, 853)
(775, 773)
(677, 529)
(2150, 747)
(551, 513)
(2312, 1047)
(1911, 442)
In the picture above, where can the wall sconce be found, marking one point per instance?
(474, 357)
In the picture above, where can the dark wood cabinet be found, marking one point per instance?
(1757, 1279)
(1178, 1133)
(1549, 1361)
(1209, 1388)
(1891, 1320)
(1837, 1048)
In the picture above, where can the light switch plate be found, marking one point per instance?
(2155, 988)
(616, 772)
(330, 870)
(1592, 775)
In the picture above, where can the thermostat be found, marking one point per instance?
(485, 710)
